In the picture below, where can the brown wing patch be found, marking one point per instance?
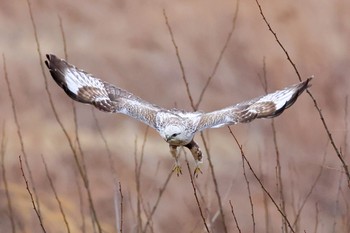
(263, 109)
(105, 105)
(245, 116)
(98, 97)
(92, 93)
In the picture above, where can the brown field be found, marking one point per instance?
(127, 43)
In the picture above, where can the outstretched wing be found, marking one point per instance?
(267, 106)
(85, 88)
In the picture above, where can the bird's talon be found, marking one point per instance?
(196, 172)
(177, 169)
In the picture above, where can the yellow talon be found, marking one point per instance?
(196, 171)
(177, 169)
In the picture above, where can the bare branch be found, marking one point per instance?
(109, 153)
(179, 60)
(19, 133)
(211, 165)
(317, 217)
(160, 194)
(337, 151)
(80, 169)
(55, 193)
(279, 173)
(234, 20)
(311, 189)
(8, 197)
(261, 184)
(63, 38)
(249, 195)
(196, 197)
(31, 195)
(118, 201)
(81, 202)
(234, 217)
(138, 191)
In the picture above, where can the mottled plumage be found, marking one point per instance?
(175, 126)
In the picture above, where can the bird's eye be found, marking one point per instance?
(174, 135)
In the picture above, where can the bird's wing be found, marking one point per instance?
(85, 88)
(267, 106)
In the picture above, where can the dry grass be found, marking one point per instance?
(92, 166)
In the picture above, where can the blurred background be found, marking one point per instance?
(127, 43)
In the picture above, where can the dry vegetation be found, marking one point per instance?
(68, 168)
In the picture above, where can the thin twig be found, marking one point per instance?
(138, 209)
(81, 202)
(77, 139)
(346, 124)
(316, 221)
(109, 153)
(345, 197)
(119, 207)
(218, 61)
(138, 167)
(160, 194)
(81, 172)
(31, 195)
(79, 152)
(261, 184)
(341, 174)
(63, 38)
(234, 217)
(146, 210)
(211, 165)
(179, 60)
(8, 197)
(263, 78)
(143, 150)
(55, 193)
(266, 206)
(249, 194)
(19, 134)
(293, 189)
(337, 151)
(311, 190)
(278, 41)
(279, 174)
(196, 197)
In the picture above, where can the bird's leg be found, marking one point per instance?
(175, 153)
(197, 155)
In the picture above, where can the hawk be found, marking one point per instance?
(176, 127)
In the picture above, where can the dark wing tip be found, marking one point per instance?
(48, 61)
(307, 82)
(53, 62)
(300, 88)
(57, 68)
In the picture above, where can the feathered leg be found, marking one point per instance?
(197, 155)
(175, 153)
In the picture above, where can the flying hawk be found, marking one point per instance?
(175, 126)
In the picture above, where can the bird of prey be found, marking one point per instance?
(176, 127)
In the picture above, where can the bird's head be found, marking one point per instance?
(176, 135)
